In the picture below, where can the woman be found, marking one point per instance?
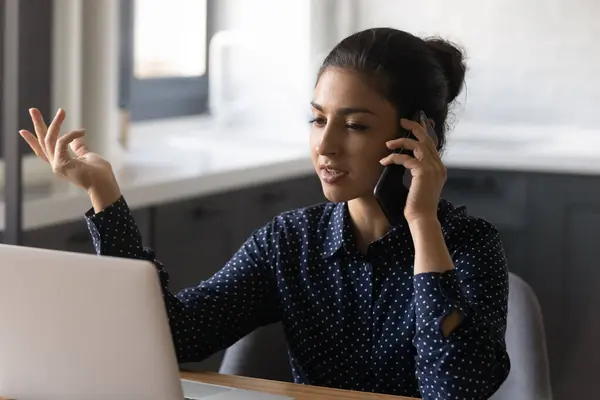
(417, 309)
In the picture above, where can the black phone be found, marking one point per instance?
(391, 190)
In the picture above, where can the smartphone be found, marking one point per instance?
(391, 190)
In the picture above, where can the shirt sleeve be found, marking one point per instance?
(471, 362)
(217, 312)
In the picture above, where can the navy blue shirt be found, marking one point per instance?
(352, 321)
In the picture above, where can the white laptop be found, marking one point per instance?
(83, 327)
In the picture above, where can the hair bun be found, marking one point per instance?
(451, 59)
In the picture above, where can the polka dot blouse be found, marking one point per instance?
(352, 321)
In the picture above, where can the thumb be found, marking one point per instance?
(61, 151)
(78, 145)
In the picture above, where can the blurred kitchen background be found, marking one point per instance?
(202, 106)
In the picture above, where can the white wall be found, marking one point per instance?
(275, 78)
(281, 29)
(535, 61)
(300, 31)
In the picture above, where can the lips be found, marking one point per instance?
(330, 174)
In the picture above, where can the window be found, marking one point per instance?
(163, 57)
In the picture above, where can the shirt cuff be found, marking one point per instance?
(436, 296)
(114, 231)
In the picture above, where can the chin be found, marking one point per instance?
(338, 194)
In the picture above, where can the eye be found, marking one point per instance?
(356, 127)
(318, 121)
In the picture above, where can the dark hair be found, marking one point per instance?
(411, 73)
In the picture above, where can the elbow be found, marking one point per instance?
(502, 371)
(494, 375)
(451, 322)
(477, 377)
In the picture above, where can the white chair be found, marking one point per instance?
(262, 353)
(529, 377)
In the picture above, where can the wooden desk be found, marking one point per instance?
(300, 392)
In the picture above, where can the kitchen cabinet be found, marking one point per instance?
(267, 201)
(196, 237)
(193, 240)
(564, 271)
(501, 198)
(74, 236)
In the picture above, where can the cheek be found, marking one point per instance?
(370, 153)
(373, 169)
(366, 160)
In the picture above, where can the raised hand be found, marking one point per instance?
(84, 168)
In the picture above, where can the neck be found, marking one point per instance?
(368, 221)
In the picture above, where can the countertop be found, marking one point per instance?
(191, 157)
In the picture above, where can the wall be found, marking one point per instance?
(532, 62)
(291, 37)
(266, 73)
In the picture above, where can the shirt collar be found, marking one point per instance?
(339, 235)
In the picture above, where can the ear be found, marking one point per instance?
(432, 122)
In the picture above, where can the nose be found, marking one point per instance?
(328, 142)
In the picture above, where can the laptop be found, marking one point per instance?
(76, 326)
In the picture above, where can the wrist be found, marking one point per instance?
(431, 253)
(424, 223)
(103, 195)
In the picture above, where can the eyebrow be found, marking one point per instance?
(345, 110)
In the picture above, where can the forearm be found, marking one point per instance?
(432, 256)
(471, 362)
(103, 194)
(215, 314)
(462, 368)
(459, 353)
(431, 253)
(194, 318)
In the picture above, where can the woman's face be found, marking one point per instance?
(351, 124)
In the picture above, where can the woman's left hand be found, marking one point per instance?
(426, 167)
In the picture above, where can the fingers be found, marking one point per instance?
(53, 132)
(428, 125)
(409, 144)
(40, 128)
(424, 159)
(61, 151)
(78, 146)
(401, 159)
(33, 142)
(417, 167)
(419, 129)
